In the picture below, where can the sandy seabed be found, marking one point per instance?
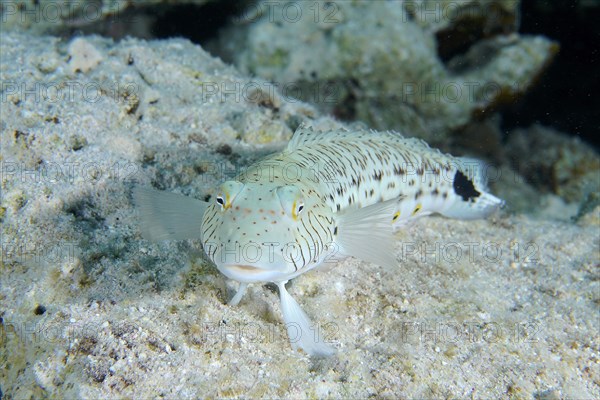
(506, 306)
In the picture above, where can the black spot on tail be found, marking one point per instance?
(464, 187)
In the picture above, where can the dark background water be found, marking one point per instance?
(567, 96)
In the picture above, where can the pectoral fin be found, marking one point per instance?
(235, 300)
(168, 216)
(300, 331)
(367, 233)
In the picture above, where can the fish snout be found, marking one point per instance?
(251, 273)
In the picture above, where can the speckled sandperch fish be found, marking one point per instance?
(328, 194)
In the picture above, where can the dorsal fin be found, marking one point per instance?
(305, 134)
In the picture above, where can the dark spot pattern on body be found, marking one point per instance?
(464, 187)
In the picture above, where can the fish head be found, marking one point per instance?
(257, 232)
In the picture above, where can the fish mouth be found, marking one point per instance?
(245, 268)
(250, 273)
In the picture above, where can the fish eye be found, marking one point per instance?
(291, 201)
(229, 191)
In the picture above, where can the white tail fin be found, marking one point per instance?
(168, 216)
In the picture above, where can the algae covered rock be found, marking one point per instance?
(556, 163)
(380, 62)
(115, 18)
